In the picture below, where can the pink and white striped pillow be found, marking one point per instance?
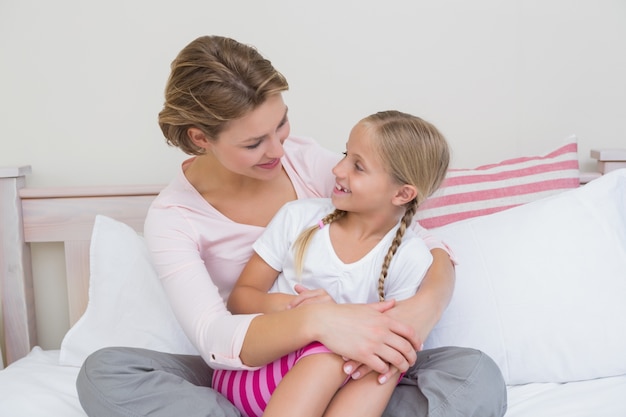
(487, 189)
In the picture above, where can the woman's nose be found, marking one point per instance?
(276, 149)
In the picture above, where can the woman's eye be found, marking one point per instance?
(253, 146)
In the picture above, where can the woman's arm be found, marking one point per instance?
(425, 308)
(359, 331)
(355, 331)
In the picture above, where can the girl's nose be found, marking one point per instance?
(337, 169)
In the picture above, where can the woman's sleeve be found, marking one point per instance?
(312, 165)
(195, 299)
(431, 240)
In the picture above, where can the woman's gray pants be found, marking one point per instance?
(132, 382)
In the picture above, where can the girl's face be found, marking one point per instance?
(253, 145)
(362, 183)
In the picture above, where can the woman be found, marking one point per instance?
(223, 104)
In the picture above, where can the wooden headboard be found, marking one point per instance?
(64, 215)
(53, 215)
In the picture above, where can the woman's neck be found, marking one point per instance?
(208, 176)
(233, 195)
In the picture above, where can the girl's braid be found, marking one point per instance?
(302, 242)
(406, 221)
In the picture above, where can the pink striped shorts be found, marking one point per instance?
(250, 391)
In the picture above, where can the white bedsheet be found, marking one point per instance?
(604, 397)
(36, 386)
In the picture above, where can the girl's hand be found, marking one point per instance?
(307, 296)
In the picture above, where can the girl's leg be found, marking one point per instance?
(132, 382)
(308, 387)
(451, 382)
(364, 397)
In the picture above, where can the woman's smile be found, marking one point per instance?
(270, 165)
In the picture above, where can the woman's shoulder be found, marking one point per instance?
(178, 192)
(309, 166)
(295, 142)
(175, 199)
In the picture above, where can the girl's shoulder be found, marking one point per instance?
(309, 206)
(305, 211)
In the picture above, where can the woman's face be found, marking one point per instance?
(253, 145)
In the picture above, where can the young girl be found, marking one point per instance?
(363, 251)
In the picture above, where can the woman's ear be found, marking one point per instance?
(404, 194)
(198, 138)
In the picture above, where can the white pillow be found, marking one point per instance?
(541, 287)
(127, 305)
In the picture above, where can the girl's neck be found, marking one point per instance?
(368, 227)
(353, 236)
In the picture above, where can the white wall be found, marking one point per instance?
(81, 82)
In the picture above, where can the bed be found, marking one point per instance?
(541, 282)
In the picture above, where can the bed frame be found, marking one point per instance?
(64, 215)
(53, 215)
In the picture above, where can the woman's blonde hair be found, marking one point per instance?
(214, 80)
(413, 152)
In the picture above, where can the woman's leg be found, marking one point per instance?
(450, 382)
(132, 382)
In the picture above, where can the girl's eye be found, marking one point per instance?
(344, 153)
(358, 167)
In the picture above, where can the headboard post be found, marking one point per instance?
(18, 312)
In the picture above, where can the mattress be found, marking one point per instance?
(36, 386)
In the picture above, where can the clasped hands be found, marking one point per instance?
(370, 337)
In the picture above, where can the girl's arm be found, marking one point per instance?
(250, 294)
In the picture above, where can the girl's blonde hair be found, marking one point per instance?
(413, 152)
(214, 80)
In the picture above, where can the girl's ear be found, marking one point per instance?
(198, 138)
(404, 194)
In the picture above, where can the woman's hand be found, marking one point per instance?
(423, 310)
(307, 296)
(364, 333)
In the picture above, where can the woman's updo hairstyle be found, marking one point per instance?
(214, 80)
